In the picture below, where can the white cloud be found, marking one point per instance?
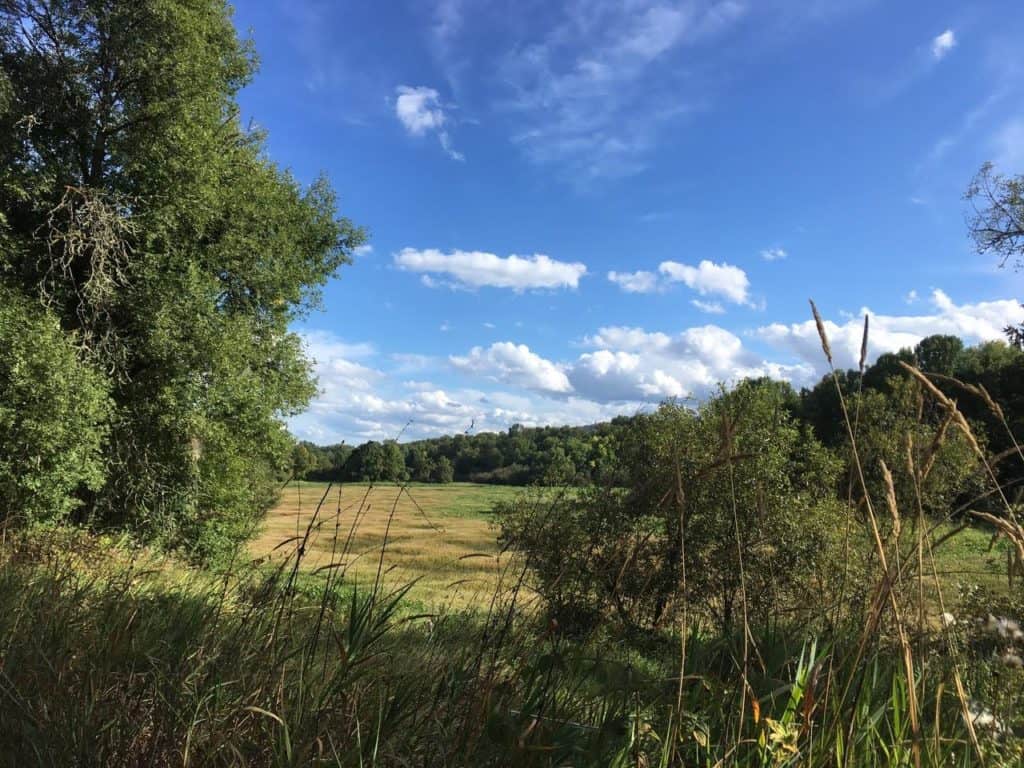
(335, 363)
(708, 278)
(635, 282)
(943, 44)
(632, 364)
(363, 250)
(477, 269)
(324, 344)
(358, 403)
(911, 297)
(365, 395)
(411, 362)
(709, 307)
(419, 109)
(773, 254)
(974, 323)
(515, 364)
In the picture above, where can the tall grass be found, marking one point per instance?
(111, 656)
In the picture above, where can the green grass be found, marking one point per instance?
(115, 657)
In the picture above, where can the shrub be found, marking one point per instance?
(733, 489)
(53, 415)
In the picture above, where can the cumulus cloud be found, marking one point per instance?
(773, 254)
(635, 282)
(621, 369)
(514, 364)
(421, 408)
(478, 269)
(335, 362)
(973, 323)
(363, 250)
(632, 364)
(420, 111)
(943, 44)
(708, 278)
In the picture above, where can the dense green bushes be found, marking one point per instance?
(727, 506)
(54, 412)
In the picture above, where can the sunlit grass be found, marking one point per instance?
(439, 535)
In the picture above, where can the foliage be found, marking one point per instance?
(53, 410)
(174, 252)
(729, 499)
(113, 658)
(932, 464)
(443, 471)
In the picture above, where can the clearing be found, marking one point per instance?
(439, 534)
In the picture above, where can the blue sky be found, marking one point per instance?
(578, 209)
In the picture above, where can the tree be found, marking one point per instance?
(303, 461)
(53, 412)
(392, 462)
(137, 208)
(997, 224)
(443, 471)
(939, 354)
(900, 426)
(366, 463)
(417, 463)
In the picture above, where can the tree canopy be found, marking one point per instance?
(140, 212)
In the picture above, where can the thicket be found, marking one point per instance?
(139, 217)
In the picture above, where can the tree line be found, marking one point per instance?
(592, 454)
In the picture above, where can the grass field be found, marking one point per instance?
(443, 536)
(439, 534)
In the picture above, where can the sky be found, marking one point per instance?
(578, 209)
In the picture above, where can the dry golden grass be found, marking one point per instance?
(439, 534)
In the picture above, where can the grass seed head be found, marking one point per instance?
(821, 332)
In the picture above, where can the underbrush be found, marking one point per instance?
(114, 657)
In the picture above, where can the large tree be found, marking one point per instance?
(139, 210)
(997, 223)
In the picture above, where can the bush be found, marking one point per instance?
(735, 488)
(53, 415)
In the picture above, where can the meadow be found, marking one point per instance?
(443, 541)
(441, 538)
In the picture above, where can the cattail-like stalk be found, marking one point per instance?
(821, 332)
(890, 498)
(863, 345)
